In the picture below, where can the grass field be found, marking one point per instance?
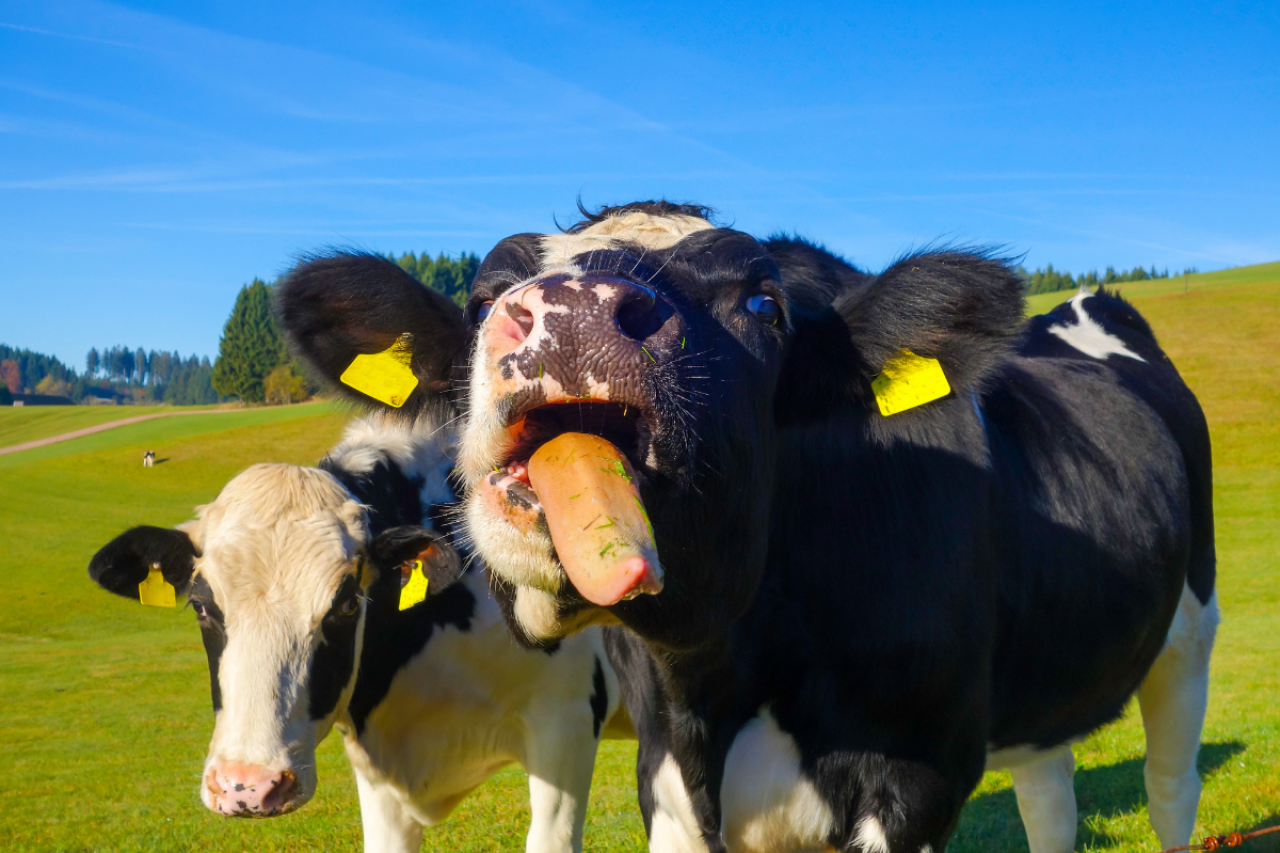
(104, 708)
(28, 423)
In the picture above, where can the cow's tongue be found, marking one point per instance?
(597, 522)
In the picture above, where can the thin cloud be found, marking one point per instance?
(37, 31)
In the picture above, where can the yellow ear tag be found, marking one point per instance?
(908, 380)
(156, 591)
(415, 591)
(385, 375)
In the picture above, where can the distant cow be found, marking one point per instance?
(149, 459)
(295, 574)
(901, 534)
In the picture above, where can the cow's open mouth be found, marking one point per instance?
(621, 425)
(572, 471)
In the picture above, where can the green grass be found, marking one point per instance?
(132, 440)
(104, 707)
(1256, 274)
(28, 423)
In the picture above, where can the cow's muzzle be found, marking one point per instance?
(249, 790)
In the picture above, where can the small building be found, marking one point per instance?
(41, 400)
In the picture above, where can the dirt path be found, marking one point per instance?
(53, 439)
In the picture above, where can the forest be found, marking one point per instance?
(1049, 280)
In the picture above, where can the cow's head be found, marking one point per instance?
(678, 342)
(277, 570)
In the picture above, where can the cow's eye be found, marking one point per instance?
(349, 605)
(765, 308)
(483, 310)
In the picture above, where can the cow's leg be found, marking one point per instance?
(388, 825)
(560, 755)
(1173, 699)
(1047, 800)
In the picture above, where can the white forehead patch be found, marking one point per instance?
(647, 230)
(1088, 337)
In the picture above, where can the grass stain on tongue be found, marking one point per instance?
(596, 518)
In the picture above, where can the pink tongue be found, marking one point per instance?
(599, 527)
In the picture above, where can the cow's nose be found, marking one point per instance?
(595, 309)
(249, 790)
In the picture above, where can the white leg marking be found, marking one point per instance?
(766, 803)
(560, 754)
(1047, 800)
(1088, 337)
(388, 826)
(1173, 700)
(871, 836)
(674, 828)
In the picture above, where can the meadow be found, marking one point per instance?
(104, 704)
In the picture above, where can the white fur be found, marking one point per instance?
(469, 704)
(650, 232)
(1088, 337)
(276, 544)
(871, 836)
(1047, 800)
(766, 802)
(1173, 699)
(674, 828)
(273, 608)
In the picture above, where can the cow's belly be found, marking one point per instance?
(767, 803)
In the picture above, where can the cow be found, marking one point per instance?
(899, 534)
(295, 575)
(149, 459)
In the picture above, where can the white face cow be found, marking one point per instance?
(275, 569)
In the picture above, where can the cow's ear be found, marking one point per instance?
(126, 561)
(371, 331)
(960, 309)
(400, 546)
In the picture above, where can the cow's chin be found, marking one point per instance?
(518, 550)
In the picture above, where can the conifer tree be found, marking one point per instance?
(251, 346)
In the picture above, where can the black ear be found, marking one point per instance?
(513, 260)
(964, 309)
(337, 307)
(399, 545)
(125, 561)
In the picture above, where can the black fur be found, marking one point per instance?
(393, 637)
(599, 698)
(999, 566)
(334, 307)
(124, 562)
(335, 657)
(213, 634)
(392, 496)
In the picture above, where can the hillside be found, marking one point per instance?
(111, 690)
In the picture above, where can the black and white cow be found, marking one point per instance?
(858, 612)
(295, 574)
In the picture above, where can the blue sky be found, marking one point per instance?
(155, 156)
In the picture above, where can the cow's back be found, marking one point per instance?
(1101, 463)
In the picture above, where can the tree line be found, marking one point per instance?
(1049, 280)
(253, 362)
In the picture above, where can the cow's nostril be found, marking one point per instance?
(637, 317)
(523, 316)
(281, 793)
